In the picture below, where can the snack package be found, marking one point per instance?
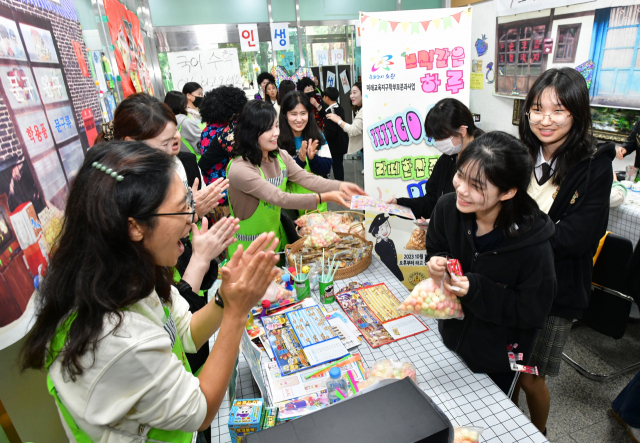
(418, 240)
(467, 434)
(276, 293)
(321, 238)
(430, 299)
(384, 369)
(309, 220)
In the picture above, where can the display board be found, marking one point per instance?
(209, 68)
(410, 61)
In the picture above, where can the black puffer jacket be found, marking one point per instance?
(580, 224)
(511, 289)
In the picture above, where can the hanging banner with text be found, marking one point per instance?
(410, 61)
(209, 68)
(509, 7)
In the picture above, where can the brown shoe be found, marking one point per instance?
(633, 432)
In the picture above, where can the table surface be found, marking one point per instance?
(625, 220)
(466, 398)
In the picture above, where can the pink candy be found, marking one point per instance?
(429, 299)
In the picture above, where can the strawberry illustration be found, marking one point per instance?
(481, 45)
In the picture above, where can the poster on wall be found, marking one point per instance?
(410, 61)
(42, 156)
(601, 43)
(510, 7)
(126, 36)
(209, 68)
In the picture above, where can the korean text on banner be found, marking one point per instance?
(280, 36)
(248, 37)
(410, 61)
(337, 56)
(209, 68)
(322, 56)
(344, 81)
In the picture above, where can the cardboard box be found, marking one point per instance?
(399, 412)
(245, 418)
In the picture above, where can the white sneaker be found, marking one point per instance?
(362, 172)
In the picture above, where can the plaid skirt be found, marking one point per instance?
(548, 346)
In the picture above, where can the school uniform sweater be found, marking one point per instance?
(580, 211)
(440, 183)
(511, 288)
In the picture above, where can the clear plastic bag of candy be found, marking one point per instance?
(310, 220)
(276, 293)
(383, 369)
(321, 238)
(430, 299)
(466, 434)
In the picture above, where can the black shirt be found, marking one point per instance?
(487, 242)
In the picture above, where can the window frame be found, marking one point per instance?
(572, 59)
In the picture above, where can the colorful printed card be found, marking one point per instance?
(368, 203)
(373, 310)
(302, 339)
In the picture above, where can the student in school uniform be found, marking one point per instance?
(337, 139)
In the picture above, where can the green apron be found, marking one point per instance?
(191, 148)
(295, 188)
(266, 218)
(154, 435)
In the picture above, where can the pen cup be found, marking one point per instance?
(303, 290)
(327, 295)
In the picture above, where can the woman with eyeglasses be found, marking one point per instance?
(450, 124)
(144, 118)
(571, 182)
(111, 330)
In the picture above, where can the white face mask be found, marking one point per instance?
(447, 147)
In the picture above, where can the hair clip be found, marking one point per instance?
(107, 171)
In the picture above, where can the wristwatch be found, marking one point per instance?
(218, 299)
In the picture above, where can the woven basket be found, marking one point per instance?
(355, 221)
(342, 273)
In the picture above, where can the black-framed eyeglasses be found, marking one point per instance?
(191, 203)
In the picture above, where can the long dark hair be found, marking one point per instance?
(140, 117)
(504, 161)
(96, 269)
(359, 86)
(446, 117)
(571, 89)
(265, 90)
(222, 104)
(177, 101)
(190, 88)
(256, 118)
(286, 86)
(286, 140)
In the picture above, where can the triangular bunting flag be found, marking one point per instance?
(468, 12)
(383, 25)
(425, 25)
(405, 25)
(393, 25)
(414, 28)
(363, 18)
(446, 21)
(374, 21)
(436, 22)
(456, 17)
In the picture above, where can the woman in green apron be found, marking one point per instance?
(111, 330)
(301, 137)
(258, 177)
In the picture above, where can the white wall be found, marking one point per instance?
(495, 111)
(584, 40)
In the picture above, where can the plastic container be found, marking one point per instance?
(335, 382)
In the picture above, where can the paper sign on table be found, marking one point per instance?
(404, 327)
(368, 203)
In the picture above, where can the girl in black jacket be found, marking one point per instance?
(496, 231)
(572, 183)
(450, 124)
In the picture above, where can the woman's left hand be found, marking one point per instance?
(334, 118)
(459, 288)
(351, 189)
(208, 243)
(207, 198)
(312, 149)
